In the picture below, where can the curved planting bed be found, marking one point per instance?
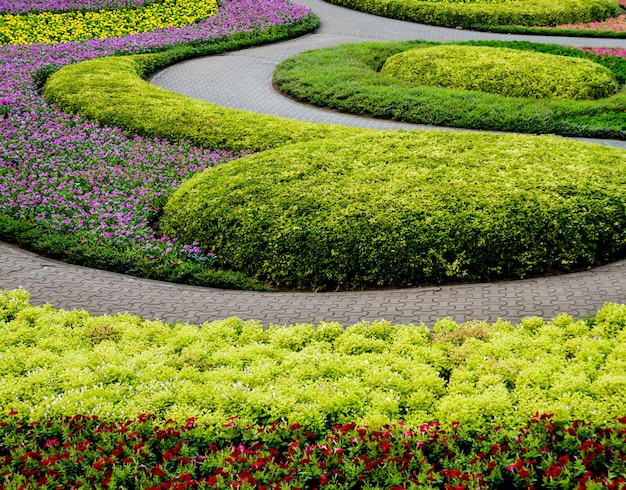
(400, 209)
(89, 193)
(480, 14)
(353, 78)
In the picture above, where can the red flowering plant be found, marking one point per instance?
(84, 451)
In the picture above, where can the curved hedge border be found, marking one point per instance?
(407, 208)
(348, 78)
(467, 15)
(112, 91)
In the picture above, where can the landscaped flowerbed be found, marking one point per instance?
(89, 193)
(56, 362)
(348, 78)
(78, 451)
(50, 27)
(378, 405)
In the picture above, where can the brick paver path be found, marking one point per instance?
(243, 80)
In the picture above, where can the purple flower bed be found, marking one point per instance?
(68, 175)
(37, 6)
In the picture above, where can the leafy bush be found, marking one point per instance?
(58, 362)
(399, 209)
(348, 78)
(502, 71)
(87, 451)
(111, 91)
(466, 15)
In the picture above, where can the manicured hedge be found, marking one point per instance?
(348, 78)
(519, 13)
(405, 208)
(111, 90)
(503, 71)
(57, 363)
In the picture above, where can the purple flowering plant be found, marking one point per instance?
(92, 194)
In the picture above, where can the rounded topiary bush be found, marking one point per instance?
(402, 208)
(502, 71)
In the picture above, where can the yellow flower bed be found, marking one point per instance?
(48, 27)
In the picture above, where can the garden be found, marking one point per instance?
(100, 168)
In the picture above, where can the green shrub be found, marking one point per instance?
(466, 15)
(347, 78)
(111, 90)
(57, 362)
(502, 71)
(404, 208)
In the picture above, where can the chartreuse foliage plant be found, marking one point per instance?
(112, 91)
(471, 14)
(54, 27)
(404, 208)
(86, 451)
(503, 71)
(350, 78)
(57, 363)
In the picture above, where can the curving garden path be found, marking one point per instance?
(243, 80)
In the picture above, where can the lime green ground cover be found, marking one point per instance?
(58, 362)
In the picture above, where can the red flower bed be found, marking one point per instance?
(80, 451)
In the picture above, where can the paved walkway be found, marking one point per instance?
(243, 80)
